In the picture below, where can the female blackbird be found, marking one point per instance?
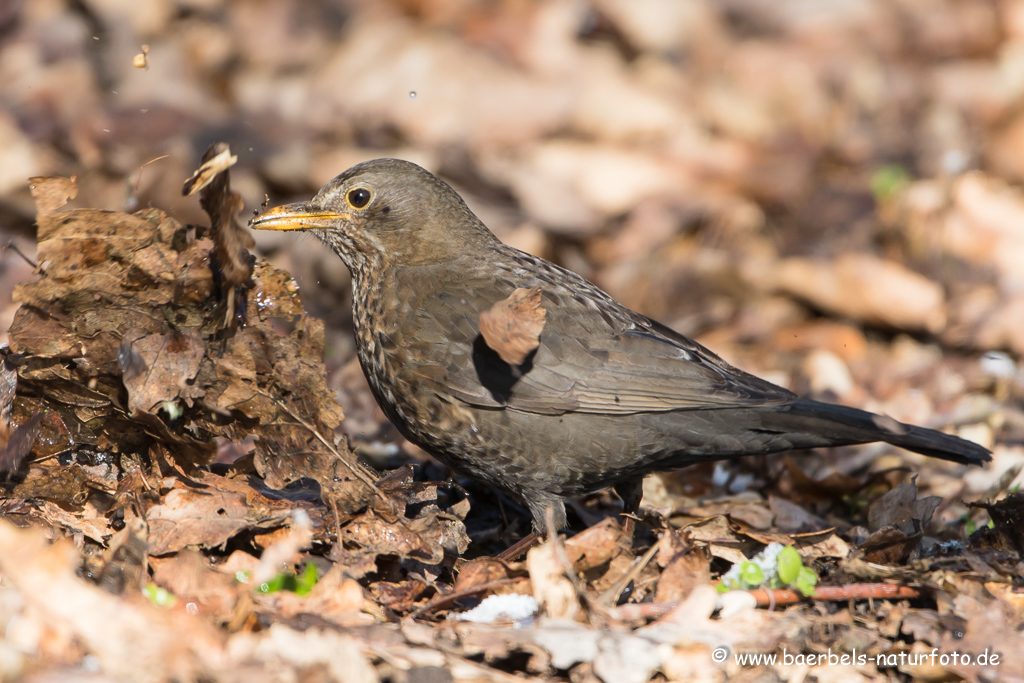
(608, 396)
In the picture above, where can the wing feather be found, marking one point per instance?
(595, 356)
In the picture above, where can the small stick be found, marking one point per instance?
(780, 596)
(611, 596)
(352, 467)
(443, 601)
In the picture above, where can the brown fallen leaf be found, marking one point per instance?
(897, 522)
(43, 573)
(889, 545)
(401, 596)
(372, 535)
(335, 597)
(902, 509)
(193, 581)
(20, 443)
(125, 564)
(596, 545)
(191, 517)
(483, 571)
(231, 240)
(867, 288)
(170, 361)
(686, 570)
(512, 326)
(51, 193)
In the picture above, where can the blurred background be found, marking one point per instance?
(826, 193)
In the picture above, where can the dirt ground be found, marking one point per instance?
(198, 485)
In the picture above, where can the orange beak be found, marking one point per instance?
(297, 216)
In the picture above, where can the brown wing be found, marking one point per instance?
(595, 356)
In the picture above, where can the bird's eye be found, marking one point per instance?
(358, 198)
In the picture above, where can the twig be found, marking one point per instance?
(352, 467)
(853, 591)
(611, 596)
(17, 250)
(780, 596)
(138, 179)
(443, 601)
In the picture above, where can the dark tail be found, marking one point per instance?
(850, 425)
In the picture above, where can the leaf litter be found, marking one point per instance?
(173, 441)
(126, 368)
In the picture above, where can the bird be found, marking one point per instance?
(607, 395)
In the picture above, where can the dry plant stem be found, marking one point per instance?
(352, 467)
(611, 596)
(14, 247)
(519, 548)
(596, 611)
(853, 591)
(138, 178)
(444, 601)
(779, 596)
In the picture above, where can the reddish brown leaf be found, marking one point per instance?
(595, 546)
(684, 572)
(512, 326)
(195, 517)
(400, 597)
(482, 571)
(889, 545)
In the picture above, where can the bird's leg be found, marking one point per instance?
(631, 491)
(539, 508)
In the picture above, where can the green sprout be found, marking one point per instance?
(300, 584)
(889, 181)
(970, 526)
(161, 597)
(776, 566)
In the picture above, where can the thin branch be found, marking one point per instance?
(766, 597)
(352, 467)
(444, 601)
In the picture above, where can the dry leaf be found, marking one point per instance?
(512, 326)
(902, 509)
(220, 161)
(231, 240)
(20, 443)
(867, 288)
(682, 575)
(168, 362)
(51, 193)
(551, 588)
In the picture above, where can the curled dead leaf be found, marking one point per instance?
(512, 326)
(231, 240)
(51, 193)
(210, 169)
(551, 588)
(141, 60)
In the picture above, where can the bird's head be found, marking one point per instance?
(384, 213)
